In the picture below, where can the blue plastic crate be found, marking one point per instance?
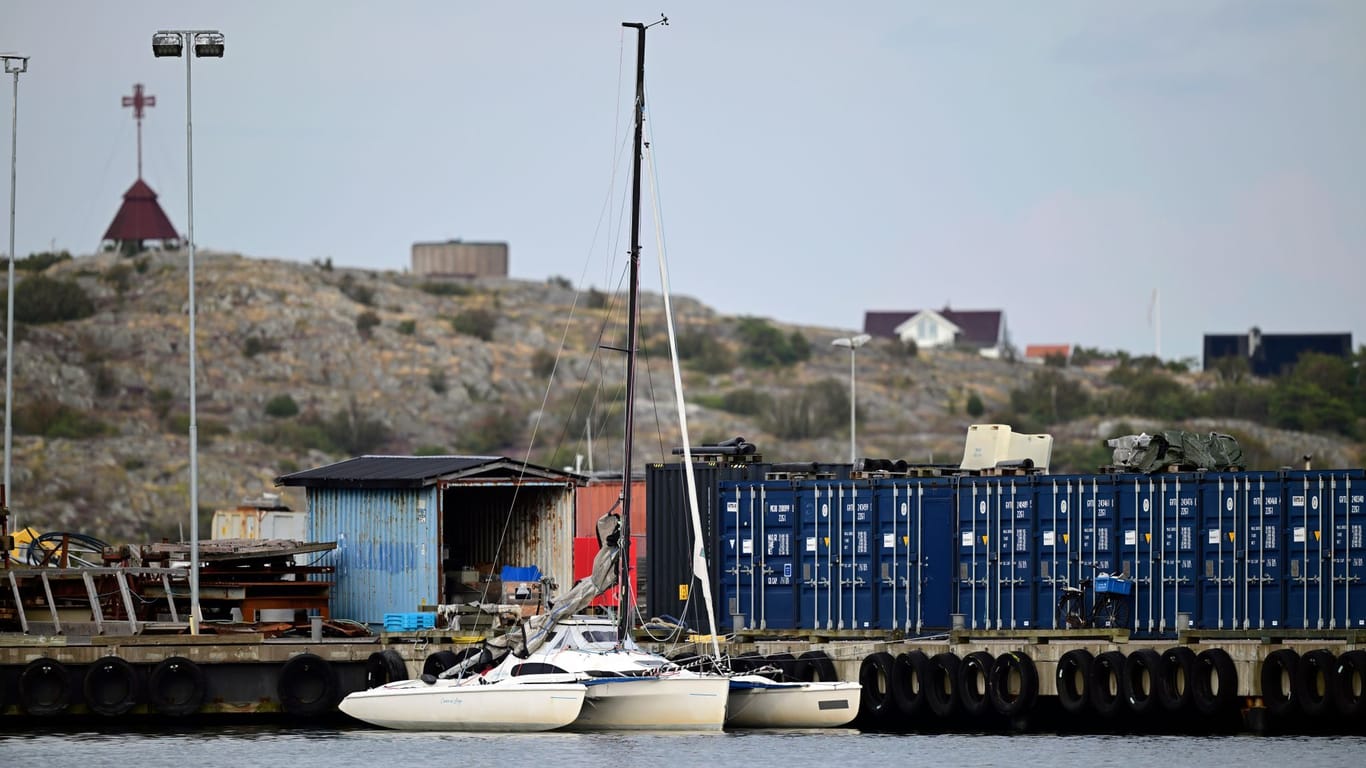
(1113, 585)
(409, 622)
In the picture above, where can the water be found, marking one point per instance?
(360, 748)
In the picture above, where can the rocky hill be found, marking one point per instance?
(300, 365)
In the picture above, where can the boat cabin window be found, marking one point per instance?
(535, 668)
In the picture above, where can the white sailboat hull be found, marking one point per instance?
(447, 705)
(654, 703)
(756, 702)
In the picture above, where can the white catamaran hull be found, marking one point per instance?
(413, 705)
(757, 702)
(654, 703)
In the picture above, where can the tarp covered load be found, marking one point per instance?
(1155, 453)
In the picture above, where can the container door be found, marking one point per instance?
(1241, 569)
(818, 517)
(934, 564)
(975, 504)
(1058, 543)
(778, 564)
(996, 562)
(1309, 544)
(1014, 573)
(737, 593)
(854, 582)
(1349, 574)
(897, 504)
(1158, 518)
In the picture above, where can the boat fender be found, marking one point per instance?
(910, 672)
(1279, 670)
(1141, 679)
(428, 679)
(1105, 694)
(1216, 681)
(875, 675)
(974, 682)
(383, 667)
(784, 666)
(942, 689)
(111, 686)
(1074, 680)
(44, 687)
(815, 666)
(1315, 682)
(176, 687)
(1349, 691)
(307, 686)
(1014, 684)
(1178, 679)
(439, 662)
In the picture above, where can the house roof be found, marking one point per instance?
(417, 472)
(979, 326)
(140, 217)
(1044, 350)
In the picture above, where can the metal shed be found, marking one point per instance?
(410, 528)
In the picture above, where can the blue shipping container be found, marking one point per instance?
(1158, 519)
(996, 587)
(913, 571)
(1069, 510)
(1324, 550)
(837, 532)
(1241, 565)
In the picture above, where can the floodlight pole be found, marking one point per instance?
(14, 64)
(188, 40)
(853, 343)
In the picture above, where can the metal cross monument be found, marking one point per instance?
(138, 102)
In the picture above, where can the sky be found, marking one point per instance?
(1062, 160)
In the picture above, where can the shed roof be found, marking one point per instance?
(417, 471)
(140, 217)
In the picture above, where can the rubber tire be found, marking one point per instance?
(1176, 688)
(1214, 667)
(439, 662)
(384, 667)
(44, 687)
(941, 689)
(1279, 672)
(176, 687)
(1315, 665)
(1010, 666)
(111, 686)
(1144, 663)
(910, 673)
(875, 675)
(746, 662)
(307, 686)
(1106, 682)
(1074, 680)
(786, 663)
(974, 683)
(1349, 689)
(823, 668)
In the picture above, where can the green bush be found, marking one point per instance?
(38, 262)
(41, 299)
(49, 417)
(478, 323)
(765, 346)
(431, 450)
(407, 327)
(746, 402)
(493, 432)
(559, 281)
(705, 352)
(120, 276)
(361, 294)
(542, 363)
(353, 432)
(436, 379)
(444, 288)
(255, 345)
(179, 424)
(975, 408)
(596, 299)
(282, 407)
(366, 322)
(816, 410)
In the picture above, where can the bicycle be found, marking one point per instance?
(1109, 608)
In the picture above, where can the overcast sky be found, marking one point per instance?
(1057, 160)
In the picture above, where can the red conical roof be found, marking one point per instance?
(140, 217)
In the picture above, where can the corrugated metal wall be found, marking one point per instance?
(461, 259)
(597, 499)
(482, 526)
(387, 556)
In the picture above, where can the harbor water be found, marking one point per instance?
(363, 748)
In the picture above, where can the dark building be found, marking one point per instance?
(1271, 354)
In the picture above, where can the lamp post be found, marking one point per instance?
(207, 43)
(14, 64)
(853, 343)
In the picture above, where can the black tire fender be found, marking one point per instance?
(1074, 680)
(111, 686)
(1315, 682)
(1142, 681)
(1349, 689)
(784, 663)
(1216, 682)
(384, 667)
(821, 666)
(974, 683)
(44, 687)
(941, 689)
(439, 662)
(1279, 671)
(176, 687)
(1014, 684)
(307, 685)
(1176, 688)
(910, 672)
(875, 675)
(1106, 684)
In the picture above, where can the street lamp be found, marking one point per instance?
(14, 64)
(207, 43)
(853, 343)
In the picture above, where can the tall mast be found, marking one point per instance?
(627, 598)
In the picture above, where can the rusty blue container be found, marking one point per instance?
(996, 556)
(913, 570)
